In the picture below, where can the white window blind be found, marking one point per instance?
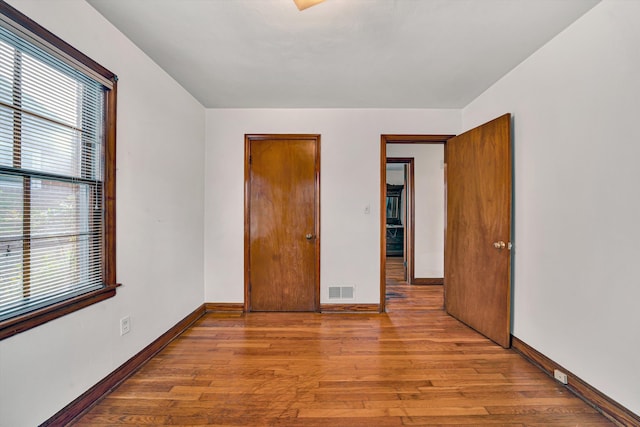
(51, 179)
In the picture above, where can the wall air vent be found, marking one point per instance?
(341, 292)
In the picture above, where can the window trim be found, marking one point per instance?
(65, 51)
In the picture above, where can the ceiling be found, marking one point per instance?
(340, 53)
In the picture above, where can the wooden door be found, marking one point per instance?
(477, 249)
(282, 223)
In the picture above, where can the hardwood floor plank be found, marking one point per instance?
(445, 411)
(411, 366)
(502, 420)
(500, 405)
(569, 408)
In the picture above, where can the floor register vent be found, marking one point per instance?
(341, 292)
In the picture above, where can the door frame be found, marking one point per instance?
(399, 139)
(248, 140)
(409, 223)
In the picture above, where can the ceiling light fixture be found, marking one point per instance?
(303, 4)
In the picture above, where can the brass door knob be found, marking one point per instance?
(309, 236)
(499, 245)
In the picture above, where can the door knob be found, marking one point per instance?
(309, 236)
(499, 245)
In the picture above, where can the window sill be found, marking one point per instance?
(35, 318)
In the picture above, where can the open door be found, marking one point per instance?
(478, 235)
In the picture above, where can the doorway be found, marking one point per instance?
(282, 222)
(423, 158)
(400, 218)
(477, 252)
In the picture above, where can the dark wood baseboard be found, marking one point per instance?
(427, 281)
(211, 307)
(223, 306)
(350, 308)
(90, 397)
(604, 404)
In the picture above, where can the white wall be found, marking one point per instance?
(576, 104)
(395, 176)
(160, 137)
(349, 180)
(429, 209)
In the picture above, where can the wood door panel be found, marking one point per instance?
(282, 205)
(477, 275)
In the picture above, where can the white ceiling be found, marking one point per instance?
(340, 53)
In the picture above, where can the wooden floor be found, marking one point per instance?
(412, 366)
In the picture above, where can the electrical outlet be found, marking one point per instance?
(125, 325)
(560, 376)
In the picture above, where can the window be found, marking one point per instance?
(57, 148)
